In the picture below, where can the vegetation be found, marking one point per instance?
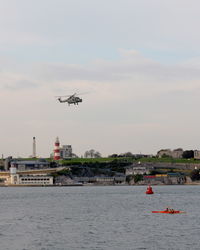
(195, 175)
(98, 164)
(158, 171)
(125, 158)
(114, 164)
(1, 167)
(138, 177)
(92, 154)
(65, 172)
(188, 154)
(129, 178)
(80, 161)
(168, 160)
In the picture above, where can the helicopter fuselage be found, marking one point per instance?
(71, 100)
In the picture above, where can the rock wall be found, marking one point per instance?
(165, 165)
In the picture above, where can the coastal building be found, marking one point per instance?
(7, 162)
(176, 178)
(66, 152)
(14, 177)
(137, 168)
(29, 179)
(24, 165)
(35, 180)
(4, 178)
(176, 153)
(197, 154)
(164, 152)
(62, 152)
(102, 180)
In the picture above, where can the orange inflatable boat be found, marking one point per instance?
(170, 211)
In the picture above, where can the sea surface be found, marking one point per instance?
(98, 218)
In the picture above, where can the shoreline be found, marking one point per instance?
(99, 185)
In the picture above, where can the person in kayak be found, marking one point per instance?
(169, 210)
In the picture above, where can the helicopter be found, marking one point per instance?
(72, 99)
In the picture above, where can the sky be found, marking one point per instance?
(137, 61)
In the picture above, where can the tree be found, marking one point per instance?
(86, 155)
(188, 154)
(113, 156)
(138, 177)
(128, 154)
(92, 154)
(97, 155)
(195, 175)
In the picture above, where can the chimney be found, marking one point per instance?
(34, 148)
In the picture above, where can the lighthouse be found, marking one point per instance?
(57, 149)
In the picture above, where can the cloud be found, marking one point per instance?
(131, 76)
(165, 28)
(118, 52)
(132, 70)
(133, 100)
(20, 85)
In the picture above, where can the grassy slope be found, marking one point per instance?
(169, 160)
(124, 159)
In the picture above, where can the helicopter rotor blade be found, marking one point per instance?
(83, 93)
(63, 96)
(75, 94)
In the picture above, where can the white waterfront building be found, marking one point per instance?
(37, 179)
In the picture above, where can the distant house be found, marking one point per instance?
(197, 154)
(66, 152)
(102, 180)
(138, 169)
(164, 152)
(23, 165)
(176, 153)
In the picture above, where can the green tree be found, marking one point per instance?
(188, 154)
(138, 177)
(195, 175)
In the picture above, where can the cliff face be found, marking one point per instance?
(160, 181)
(64, 180)
(159, 173)
(166, 165)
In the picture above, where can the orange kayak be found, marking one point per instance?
(169, 212)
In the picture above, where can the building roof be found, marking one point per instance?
(30, 162)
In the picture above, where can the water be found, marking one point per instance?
(98, 218)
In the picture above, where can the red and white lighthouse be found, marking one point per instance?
(57, 149)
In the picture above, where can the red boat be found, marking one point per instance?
(170, 211)
(149, 190)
